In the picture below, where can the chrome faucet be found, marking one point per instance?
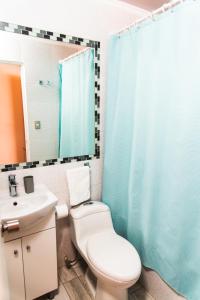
(12, 185)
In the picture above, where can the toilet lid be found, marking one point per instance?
(114, 256)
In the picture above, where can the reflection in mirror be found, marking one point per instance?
(78, 72)
(12, 134)
(46, 99)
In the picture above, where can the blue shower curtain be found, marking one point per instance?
(152, 143)
(77, 135)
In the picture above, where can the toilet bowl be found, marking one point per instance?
(111, 258)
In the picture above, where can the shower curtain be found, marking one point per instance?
(152, 143)
(76, 126)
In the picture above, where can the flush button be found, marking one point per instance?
(88, 203)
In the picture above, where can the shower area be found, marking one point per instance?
(152, 143)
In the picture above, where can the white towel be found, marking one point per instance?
(79, 184)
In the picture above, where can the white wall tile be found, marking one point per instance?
(96, 171)
(96, 192)
(10, 49)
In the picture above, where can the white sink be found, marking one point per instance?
(28, 209)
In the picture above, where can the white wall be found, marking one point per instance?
(94, 19)
(146, 4)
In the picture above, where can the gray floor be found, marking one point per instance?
(73, 286)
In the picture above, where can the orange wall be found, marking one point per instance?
(12, 137)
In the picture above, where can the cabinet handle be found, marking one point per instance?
(15, 252)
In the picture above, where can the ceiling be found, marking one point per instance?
(147, 4)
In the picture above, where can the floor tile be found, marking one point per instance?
(73, 286)
(141, 294)
(66, 275)
(132, 297)
(85, 285)
(135, 287)
(76, 290)
(62, 294)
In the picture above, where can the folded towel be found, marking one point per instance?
(79, 184)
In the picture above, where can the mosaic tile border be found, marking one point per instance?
(34, 32)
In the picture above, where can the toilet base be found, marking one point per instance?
(106, 292)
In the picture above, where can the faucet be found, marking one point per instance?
(12, 185)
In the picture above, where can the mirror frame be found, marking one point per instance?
(60, 37)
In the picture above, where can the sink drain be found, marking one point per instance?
(14, 203)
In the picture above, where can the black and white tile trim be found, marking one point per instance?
(34, 32)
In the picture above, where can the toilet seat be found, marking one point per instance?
(114, 257)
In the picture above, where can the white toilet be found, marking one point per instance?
(111, 258)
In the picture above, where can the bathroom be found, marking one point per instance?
(133, 154)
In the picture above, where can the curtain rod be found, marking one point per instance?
(74, 55)
(158, 11)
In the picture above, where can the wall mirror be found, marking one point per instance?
(49, 97)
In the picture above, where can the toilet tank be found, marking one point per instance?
(88, 219)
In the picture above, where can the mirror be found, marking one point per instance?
(47, 99)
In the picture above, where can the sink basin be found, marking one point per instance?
(28, 209)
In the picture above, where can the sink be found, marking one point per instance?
(28, 209)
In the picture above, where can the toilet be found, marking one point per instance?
(111, 258)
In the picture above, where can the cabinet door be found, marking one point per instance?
(40, 263)
(13, 254)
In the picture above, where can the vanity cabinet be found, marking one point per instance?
(13, 255)
(32, 264)
(40, 263)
